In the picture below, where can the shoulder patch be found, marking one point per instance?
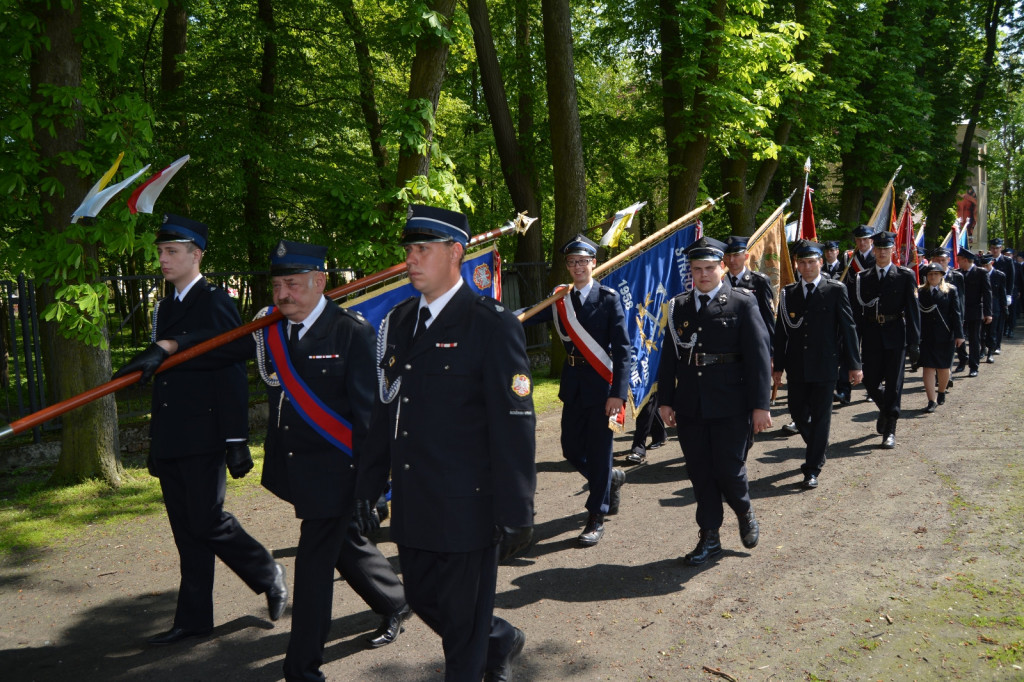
(355, 315)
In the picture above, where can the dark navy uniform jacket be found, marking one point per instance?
(732, 324)
(999, 292)
(977, 294)
(896, 296)
(200, 403)
(602, 316)
(458, 432)
(761, 285)
(808, 333)
(1005, 265)
(336, 359)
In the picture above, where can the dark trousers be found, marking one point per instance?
(193, 490)
(973, 330)
(994, 332)
(715, 451)
(454, 595)
(326, 544)
(884, 364)
(810, 403)
(649, 423)
(587, 444)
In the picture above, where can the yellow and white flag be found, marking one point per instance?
(620, 223)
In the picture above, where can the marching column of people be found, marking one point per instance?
(351, 409)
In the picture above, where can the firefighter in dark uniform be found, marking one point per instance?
(454, 424)
(940, 256)
(324, 354)
(814, 326)
(993, 331)
(1003, 262)
(715, 386)
(832, 267)
(977, 306)
(739, 275)
(595, 380)
(199, 425)
(855, 260)
(885, 305)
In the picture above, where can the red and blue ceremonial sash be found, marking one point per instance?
(325, 421)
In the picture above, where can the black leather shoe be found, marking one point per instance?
(790, 429)
(175, 634)
(615, 492)
(960, 366)
(750, 530)
(996, 352)
(390, 628)
(277, 595)
(638, 456)
(810, 482)
(843, 398)
(503, 672)
(593, 531)
(880, 424)
(949, 385)
(708, 546)
(889, 441)
(655, 446)
(989, 360)
(931, 406)
(942, 397)
(973, 373)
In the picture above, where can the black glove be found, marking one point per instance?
(514, 541)
(914, 353)
(147, 361)
(238, 459)
(365, 515)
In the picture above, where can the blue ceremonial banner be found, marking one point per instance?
(481, 271)
(646, 284)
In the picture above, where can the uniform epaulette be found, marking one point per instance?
(743, 291)
(905, 269)
(355, 315)
(755, 273)
(608, 289)
(494, 306)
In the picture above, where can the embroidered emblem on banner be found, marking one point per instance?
(482, 276)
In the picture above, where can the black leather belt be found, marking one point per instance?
(705, 359)
(885, 319)
(575, 360)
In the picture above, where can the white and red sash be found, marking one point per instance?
(570, 327)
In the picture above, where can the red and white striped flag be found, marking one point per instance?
(145, 195)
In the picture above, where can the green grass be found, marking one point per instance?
(35, 516)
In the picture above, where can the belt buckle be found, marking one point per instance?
(879, 318)
(698, 360)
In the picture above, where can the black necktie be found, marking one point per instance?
(421, 324)
(577, 304)
(810, 290)
(734, 280)
(703, 298)
(293, 334)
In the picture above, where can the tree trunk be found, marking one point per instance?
(89, 442)
(367, 96)
(566, 141)
(425, 79)
(851, 200)
(254, 213)
(941, 202)
(687, 120)
(172, 83)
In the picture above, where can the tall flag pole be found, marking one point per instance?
(956, 241)
(807, 227)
